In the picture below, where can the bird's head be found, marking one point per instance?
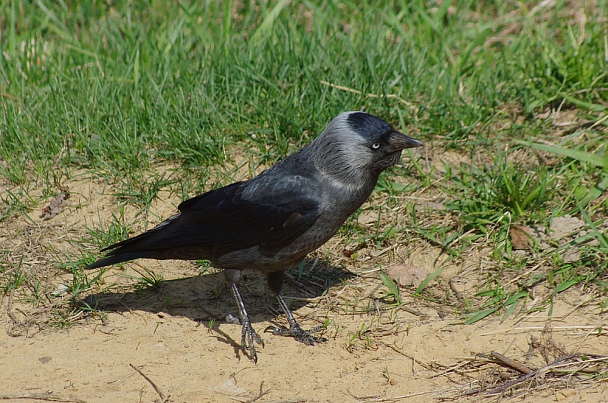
(357, 146)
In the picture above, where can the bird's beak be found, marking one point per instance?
(399, 141)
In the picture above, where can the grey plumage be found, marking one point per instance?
(272, 221)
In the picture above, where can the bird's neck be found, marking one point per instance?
(343, 177)
(341, 170)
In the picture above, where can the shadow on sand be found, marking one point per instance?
(207, 299)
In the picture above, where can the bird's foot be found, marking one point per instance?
(301, 335)
(248, 336)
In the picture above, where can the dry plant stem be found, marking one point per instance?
(529, 328)
(151, 382)
(455, 367)
(395, 349)
(261, 394)
(510, 363)
(9, 308)
(354, 91)
(542, 372)
(41, 396)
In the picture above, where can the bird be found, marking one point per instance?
(272, 221)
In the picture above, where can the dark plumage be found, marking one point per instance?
(272, 221)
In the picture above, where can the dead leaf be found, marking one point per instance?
(44, 359)
(405, 274)
(56, 205)
(521, 237)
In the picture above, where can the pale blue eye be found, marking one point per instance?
(376, 146)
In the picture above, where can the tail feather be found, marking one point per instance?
(114, 259)
(143, 245)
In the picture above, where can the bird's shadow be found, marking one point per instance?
(207, 298)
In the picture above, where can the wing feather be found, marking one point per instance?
(226, 220)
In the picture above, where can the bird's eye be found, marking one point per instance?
(375, 146)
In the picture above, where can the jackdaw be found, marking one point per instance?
(272, 221)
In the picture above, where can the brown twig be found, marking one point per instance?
(151, 382)
(260, 395)
(455, 291)
(395, 349)
(41, 396)
(509, 362)
(9, 308)
(542, 372)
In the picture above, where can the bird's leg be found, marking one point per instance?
(275, 282)
(248, 335)
(301, 335)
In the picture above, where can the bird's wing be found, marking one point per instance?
(225, 220)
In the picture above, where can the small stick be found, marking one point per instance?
(527, 328)
(509, 362)
(561, 362)
(9, 308)
(260, 395)
(151, 382)
(395, 349)
(41, 396)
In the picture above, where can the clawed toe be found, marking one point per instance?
(301, 335)
(248, 337)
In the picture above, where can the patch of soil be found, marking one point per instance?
(171, 343)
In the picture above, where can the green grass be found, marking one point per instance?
(120, 88)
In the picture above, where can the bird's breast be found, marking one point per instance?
(337, 203)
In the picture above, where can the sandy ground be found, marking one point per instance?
(155, 344)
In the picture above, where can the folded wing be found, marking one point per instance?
(222, 221)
